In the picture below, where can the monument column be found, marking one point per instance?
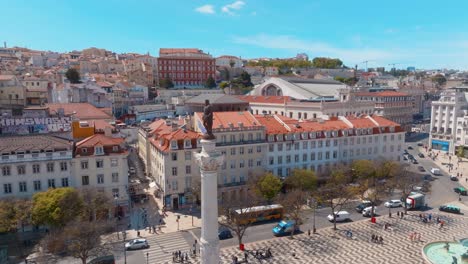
(209, 161)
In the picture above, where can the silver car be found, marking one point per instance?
(393, 203)
(136, 244)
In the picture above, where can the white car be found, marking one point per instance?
(136, 244)
(367, 211)
(340, 216)
(393, 203)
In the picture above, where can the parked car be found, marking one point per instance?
(435, 171)
(363, 205)
(285, 228)
(405, 157)
(136, 244)
(420, 144)
(411, 157)
(420, 155)
(450, 209)
(367, 211)
(405, 151)
(421, 169)
(460, 190)
(453, 178)
(410, 147)
(415, 161)
(428, 177)
(224, 233)
(340, 216)
(393, 203)
(103, 260)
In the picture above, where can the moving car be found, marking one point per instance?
(415, 161)
(410, 147)
(450, 209)
(393, 203)
(420, 144)
(420, 155)
(367, 211)
(460, 190)
(363, 205)
(405, 157)
(285, 228)
(405, 151)
(136, 244)
(224, 233)
(340, 216)
(453, 178)
(103, 260)
(421, 169)
(428, 177)
(435, 171)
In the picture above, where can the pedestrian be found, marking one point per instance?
(430, 217)
(398, 213)
(373, 238)
(245, 257)
(269, 252)
(308, 232)
(381, 239)
(138, 233)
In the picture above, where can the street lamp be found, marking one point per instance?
(147, 257)
(124, 235)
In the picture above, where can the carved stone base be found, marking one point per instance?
(209, 251)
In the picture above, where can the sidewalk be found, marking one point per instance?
(458, 167)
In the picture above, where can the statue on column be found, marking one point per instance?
(208, 121)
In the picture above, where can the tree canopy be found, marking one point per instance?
(166, 83)
(302, 179)
(268, 186)
(210, 83)
(439, 79)
(73, 75)
(327, 63)
(56, 207)
(282, 64)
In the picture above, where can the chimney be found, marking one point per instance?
(108, 131)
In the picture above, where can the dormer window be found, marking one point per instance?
(98, 150)
(327, 134)
(187, 143)
(84, 150)
(304, 135)
(335, 133)
(358, 132)
(369, 131)
(392, 129)
(115, 148)
(271, 138)
(350, 131)
(279, 137)
(345, 133)
(313, 134)
(174, 144)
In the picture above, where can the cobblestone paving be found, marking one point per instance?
(331, 247)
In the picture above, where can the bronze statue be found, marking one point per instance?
(208, 120)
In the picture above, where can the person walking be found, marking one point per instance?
(245, 257)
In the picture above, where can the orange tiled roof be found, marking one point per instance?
(180, 135)
(271, 125)
(84, 111)
(383, 121)
(99, 139)
(222, 119)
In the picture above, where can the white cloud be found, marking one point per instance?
(205, 9)
(229, 9)
(314, 48)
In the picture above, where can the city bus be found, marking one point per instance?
(259, 213)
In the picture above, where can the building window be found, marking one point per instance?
(51, 183)
(188, 155)
(312, 156)
(63, 166)
(305, 145)
(241, 150)
(174, 156)
(288, 146)
(64, 182)
(115, 148)
(115, 177)
(250, 150)
(327, 155)
(271, 147)
(188, 169)
(84, 180)
(99, 164)
(22, 186)
(304, 157)
(37, 185)
(36, 168)
(335, 154)
(6, 171)
(174, 171)
(259, 162)
(320, 156)
(250, 163)
(296, 158)
(320, 144)
(100, 178)
(312, 144)
(7, 188)
(84, 165)
(50, 167)
(288, 159)
(98, 150)
(175, 186)
(233, 164)
(280, 147)
(114, 162)
(233, 151)
(115, 192)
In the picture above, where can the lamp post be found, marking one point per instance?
(124, 235)
(147, 257)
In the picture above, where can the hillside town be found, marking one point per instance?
(104, 150)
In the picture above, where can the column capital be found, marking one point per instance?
(209, 159)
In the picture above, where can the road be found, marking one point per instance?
(441, 192)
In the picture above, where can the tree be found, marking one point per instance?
(302, 179)
(239, 221)
(79, 239)
(336, 192)
(268, 186)
(460, 152)
(95, 205)
(73, 75)
(327, 63)
(439, 79)
(56, 207)
(8, 217)
(245, 79)
(223, 85)
(293, 202)
(210, 83)
(166, 83)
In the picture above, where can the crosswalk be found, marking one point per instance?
(162, 246)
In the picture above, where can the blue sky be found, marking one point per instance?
(425, 34)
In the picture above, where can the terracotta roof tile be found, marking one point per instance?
(99, 139)
(224, 119)
(382, 94)
(84, 111)
(265, 99)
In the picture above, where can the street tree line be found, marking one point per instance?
(75, 220)
(363, 179)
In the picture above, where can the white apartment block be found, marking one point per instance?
(226, 61)
(34, 163)
(449, 118)
(321, 145)
(100, 162)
